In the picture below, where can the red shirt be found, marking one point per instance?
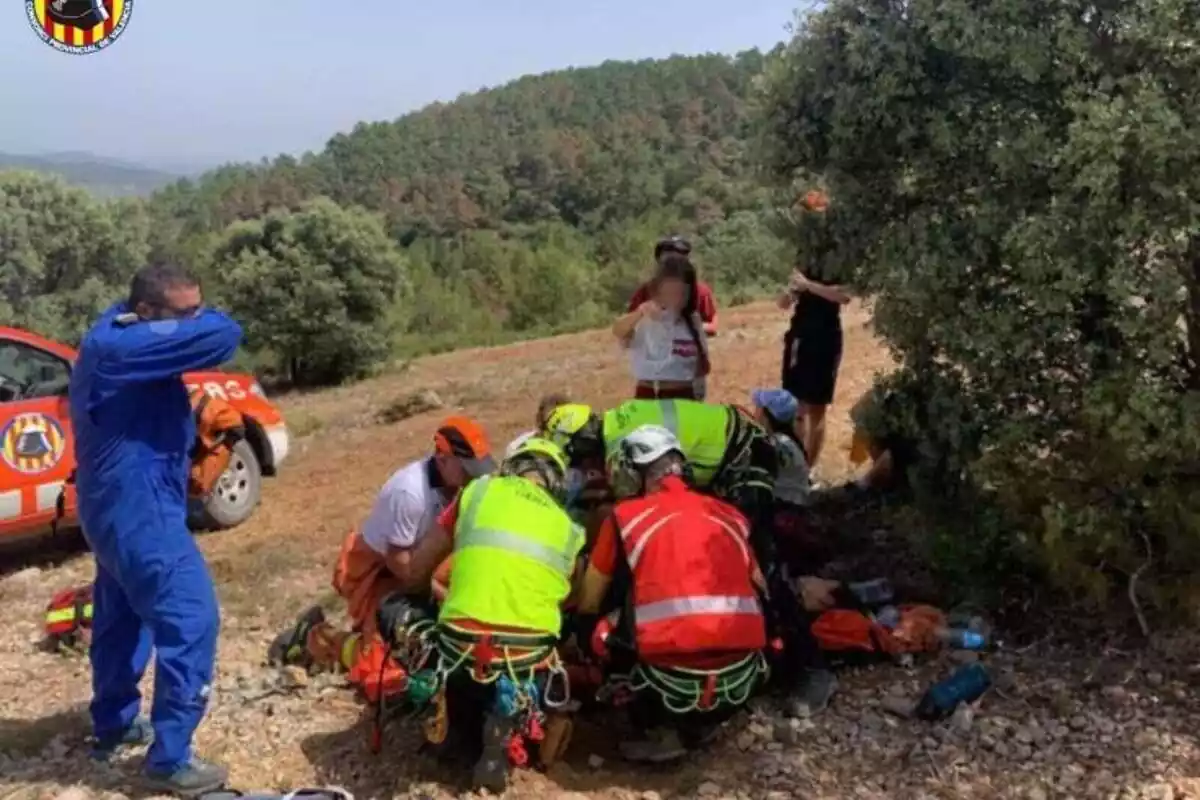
(604, 553)
(706, 304)
(448, 519)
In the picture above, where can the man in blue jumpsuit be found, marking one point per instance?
(133, 427)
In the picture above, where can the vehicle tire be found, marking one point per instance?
(237, 492)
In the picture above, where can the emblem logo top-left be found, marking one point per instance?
(32, 443)
(78, 27)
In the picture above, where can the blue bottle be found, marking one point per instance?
(966, 684)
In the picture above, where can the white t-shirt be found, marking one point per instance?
(792, 485)
(664, 350)
(405, 509)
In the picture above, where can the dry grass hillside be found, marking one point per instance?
(1057, 726)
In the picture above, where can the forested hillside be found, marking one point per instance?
(527, 208)
(582, 146)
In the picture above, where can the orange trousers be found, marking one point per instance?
(362, 579)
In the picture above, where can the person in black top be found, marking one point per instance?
(812, 353)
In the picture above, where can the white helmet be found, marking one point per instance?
(647, 444)
(636, 451)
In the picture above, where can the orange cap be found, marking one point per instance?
(463, 438)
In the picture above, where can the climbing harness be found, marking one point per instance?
(685, 690)
(529, 679)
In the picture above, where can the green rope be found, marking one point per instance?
(682, 689)
(423, 638)
(459, 654)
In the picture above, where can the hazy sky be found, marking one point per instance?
(196, 82)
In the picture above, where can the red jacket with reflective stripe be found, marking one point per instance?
(692, 574)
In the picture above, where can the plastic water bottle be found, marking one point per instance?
(876, 592)
(967, 683)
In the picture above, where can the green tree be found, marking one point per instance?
(742, 257)
(1016, 183)
(64, 255)
(316, 289)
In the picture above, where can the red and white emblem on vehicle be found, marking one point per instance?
(32, 443)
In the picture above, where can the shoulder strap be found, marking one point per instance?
(203, 404)
(622, 580)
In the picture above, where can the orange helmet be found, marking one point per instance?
(463, 438)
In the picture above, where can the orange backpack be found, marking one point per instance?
(69, 615)
(218, 427)
(849, 632)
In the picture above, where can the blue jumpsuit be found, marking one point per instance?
(133, 429)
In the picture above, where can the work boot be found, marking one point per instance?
(193, 779)
(291, 646)
(140, 733)
(491, 770)
(816, 689)
(658, 746)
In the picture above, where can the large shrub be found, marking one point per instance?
(1017, 183)
(315, 288)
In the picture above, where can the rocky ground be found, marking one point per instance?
(1070, 722)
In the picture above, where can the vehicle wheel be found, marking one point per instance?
(236, 494)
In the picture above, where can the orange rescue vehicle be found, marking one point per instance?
(37, 447)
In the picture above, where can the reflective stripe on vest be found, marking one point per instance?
(635, 555)
(670, 415)
(663, 610)
(474, 536)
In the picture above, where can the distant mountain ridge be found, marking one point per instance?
(104, 176)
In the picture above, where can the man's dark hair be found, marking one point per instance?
(548, 404)
(150, 284)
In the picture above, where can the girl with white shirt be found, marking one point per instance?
(668, 350)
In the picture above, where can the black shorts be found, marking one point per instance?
(811, 359)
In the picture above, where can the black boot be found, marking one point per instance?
(491, 770)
